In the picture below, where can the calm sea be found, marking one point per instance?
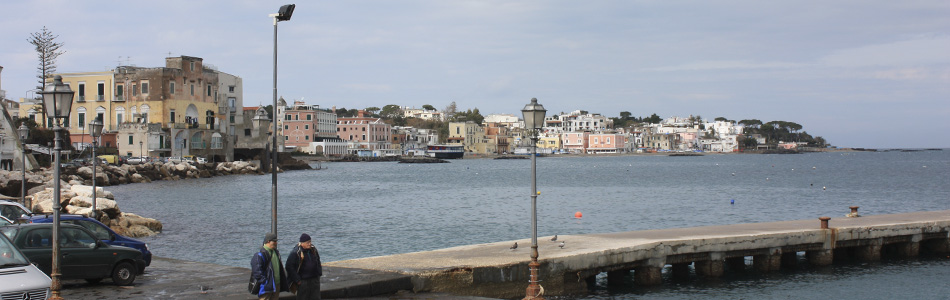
(358, 210)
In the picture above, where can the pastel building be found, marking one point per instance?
(606, 143)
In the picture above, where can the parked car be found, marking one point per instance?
(137, 160)
(21, 280)
(177, 159)
(201, 160)
(101, 231)
(4, 222)
(13, 211)
(83, 256)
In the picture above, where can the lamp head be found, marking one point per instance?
(24, 132)
(58, 98)
(95, 128)
(285, 12)
(533, 115)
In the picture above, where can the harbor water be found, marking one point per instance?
(356, 210)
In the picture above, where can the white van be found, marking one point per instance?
(21, 279)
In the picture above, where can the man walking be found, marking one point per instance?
(267, 268)
(304, 268)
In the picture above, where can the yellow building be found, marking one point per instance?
(550, 142)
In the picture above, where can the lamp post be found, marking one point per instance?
(24, 134)
(142, 149)
(58, 99)
(95, 129)
(283, 14)
(534, 121)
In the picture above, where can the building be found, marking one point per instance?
(466, 134)
(575, 142)
(304, 124)
(606, 143)
(183, 108)
(363, 132)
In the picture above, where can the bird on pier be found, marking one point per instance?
(561, 245)
(513, 247)
(554, 238)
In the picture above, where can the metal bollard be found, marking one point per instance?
(824, 222)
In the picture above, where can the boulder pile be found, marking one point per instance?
(77, 199)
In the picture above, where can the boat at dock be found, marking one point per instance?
(445, 151)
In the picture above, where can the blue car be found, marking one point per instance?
(101, 231)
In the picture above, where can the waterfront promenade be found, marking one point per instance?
(494, 270)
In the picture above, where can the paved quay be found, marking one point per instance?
(178, 279)
(494, 270)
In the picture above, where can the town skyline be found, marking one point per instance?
(871, 75)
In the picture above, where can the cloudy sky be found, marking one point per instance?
(859, 73)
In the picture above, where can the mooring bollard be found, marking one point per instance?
(824, 222)
(854, 210)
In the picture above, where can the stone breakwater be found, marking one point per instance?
(76, 190)
(77, 199)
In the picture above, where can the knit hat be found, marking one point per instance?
(270, 236)
(304, 237)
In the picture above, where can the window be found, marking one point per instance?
(247, 132)
(306, 137)
(101, 91)
(192, 89)
(82, 121)
(231, 88)
(286, 127)
(232, 118)
(171, 87)
(209, 90)
(306, 126)
(144, 87)
(171, 117)
(287, 117)
(135, 91)
(82, 91)
(130, 142)
(192, 66)
(309, 117)
(119, 93)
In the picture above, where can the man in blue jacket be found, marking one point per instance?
(264, 265)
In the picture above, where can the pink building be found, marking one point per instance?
(575, 142)
(365, 132)
(606, 143)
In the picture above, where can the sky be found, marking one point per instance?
(873, 74)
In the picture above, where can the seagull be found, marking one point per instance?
(561, 245)
(554, 238)
(513, 247)
(204, 289)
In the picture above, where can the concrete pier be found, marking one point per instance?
(492, 270)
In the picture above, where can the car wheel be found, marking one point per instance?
(123, 274)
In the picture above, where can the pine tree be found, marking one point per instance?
(47, 49)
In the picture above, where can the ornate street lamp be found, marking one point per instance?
(58, 99)
(533, 122)
(24, 134)
(283, 14)
(95, 128)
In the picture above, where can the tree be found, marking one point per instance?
(752, 123)
(372, 110)
(625, 115)
(450, 110)
(654, 119)
(47, 50)
(721, 119)
(390, 111)
(428, 107)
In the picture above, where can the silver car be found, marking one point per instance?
(20, 278)
(13, 211)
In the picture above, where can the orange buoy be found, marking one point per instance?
(578, 215)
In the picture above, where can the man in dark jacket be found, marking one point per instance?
(304, 268)
(264, 267)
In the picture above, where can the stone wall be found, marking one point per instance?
(77, 199)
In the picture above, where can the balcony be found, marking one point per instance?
(81, 99)
(101, 98)
(118, 98)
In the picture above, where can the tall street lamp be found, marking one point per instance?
(283, 14)
(58, 99)
(24, 134)
(95, 128)
(142, 149)
(534, 121)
